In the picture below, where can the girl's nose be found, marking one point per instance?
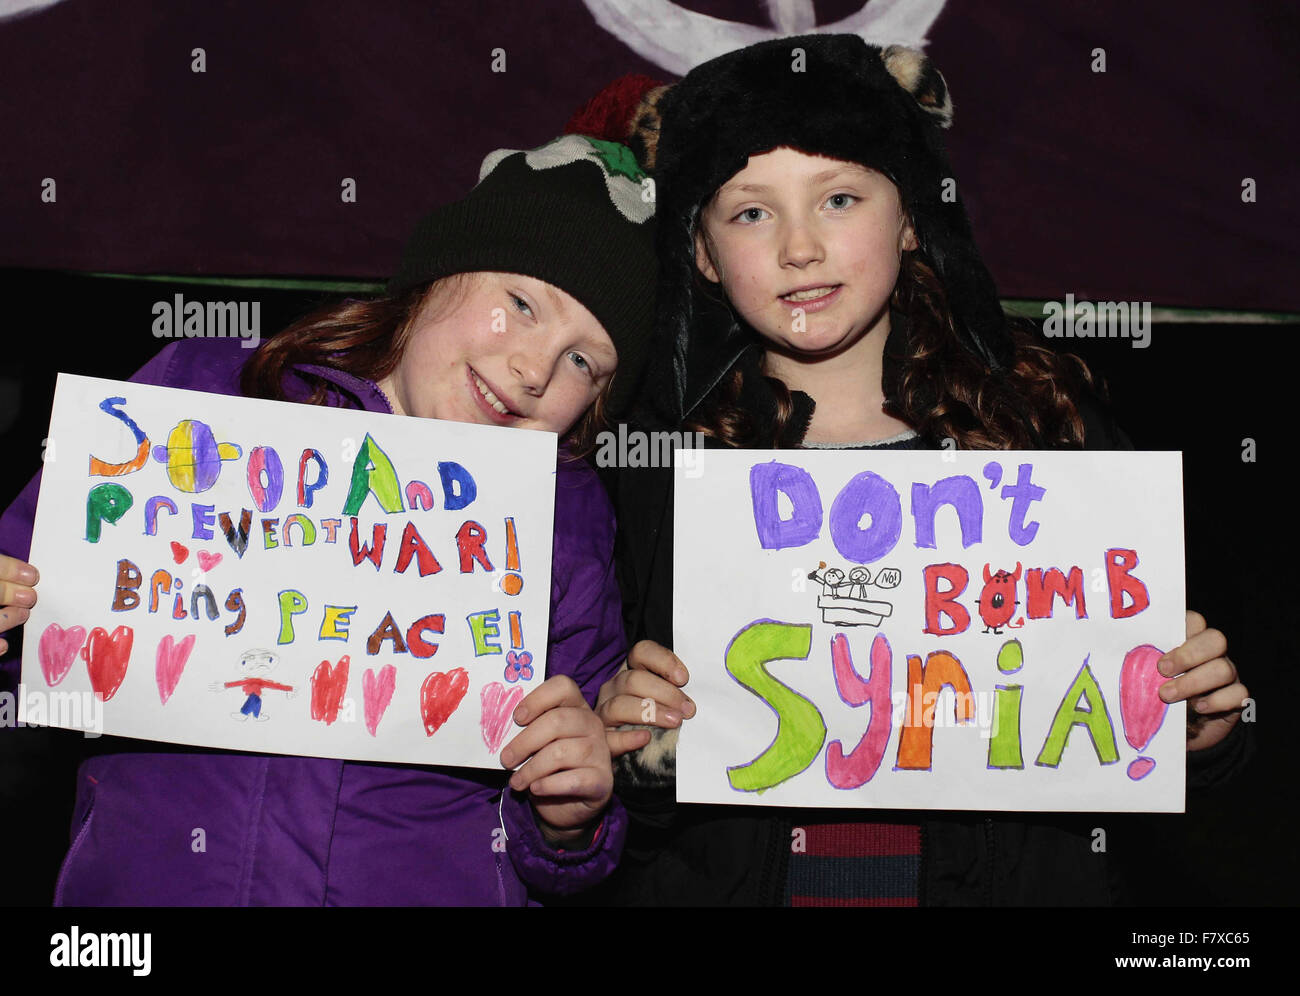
(533, 369)
(800, 246)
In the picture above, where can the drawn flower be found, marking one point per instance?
(519, 666)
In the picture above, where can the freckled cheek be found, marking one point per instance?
(562, 410)
(430, 352)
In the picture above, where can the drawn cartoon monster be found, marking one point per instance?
(997, 601)
(253, 664)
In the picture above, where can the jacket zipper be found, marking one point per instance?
(501, 882)
(72, 854)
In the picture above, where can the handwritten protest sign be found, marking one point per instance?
(930, 630)
(265, 576)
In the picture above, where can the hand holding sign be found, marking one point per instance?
(646, 691)
(17, 594)
(1203, 669)
(561, 759)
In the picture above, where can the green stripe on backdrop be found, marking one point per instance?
(1014, 306)
(271, 283)
(1161, 315)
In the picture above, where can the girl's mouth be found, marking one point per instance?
(812, 298)
(488, 401)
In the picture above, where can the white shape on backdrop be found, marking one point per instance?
(677, 40)
(19, 8)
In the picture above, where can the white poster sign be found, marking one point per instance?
(930, 630)
(264, 576)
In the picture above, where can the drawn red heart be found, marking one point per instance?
(57, 650)
(169, 663)
(498, 705)
(377, 692)
(327, 687)
(440, 695)
(179, 552)
(107, 658)
(207, 561)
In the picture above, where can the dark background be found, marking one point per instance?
(1117, 187)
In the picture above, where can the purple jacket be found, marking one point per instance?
(312, 831)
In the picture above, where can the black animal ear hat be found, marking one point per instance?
(830, 95)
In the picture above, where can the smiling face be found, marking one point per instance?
(807, 249)
(512, 351)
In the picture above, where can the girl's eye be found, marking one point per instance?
(581, 363)
(521, 305)
(839, 202)
(750, 215)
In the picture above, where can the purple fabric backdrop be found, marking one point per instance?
(1121, 185)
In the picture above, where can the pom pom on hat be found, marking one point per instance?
(624, 111)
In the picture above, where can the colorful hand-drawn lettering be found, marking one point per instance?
(100, 468)
(1094, 717)
(193, 456)
(1140, 707)
(800, 731)
(512, 584)
(859, 766)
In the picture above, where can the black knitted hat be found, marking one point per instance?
(574, 213)
(829, 95)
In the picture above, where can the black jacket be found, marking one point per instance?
(721, 855)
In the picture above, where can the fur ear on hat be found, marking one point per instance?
(624, 111)
(643, 139)
(918, 76)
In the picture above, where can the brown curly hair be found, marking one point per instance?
(944, 392)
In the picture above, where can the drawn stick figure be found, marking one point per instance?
(859, 578)
(252, 665)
